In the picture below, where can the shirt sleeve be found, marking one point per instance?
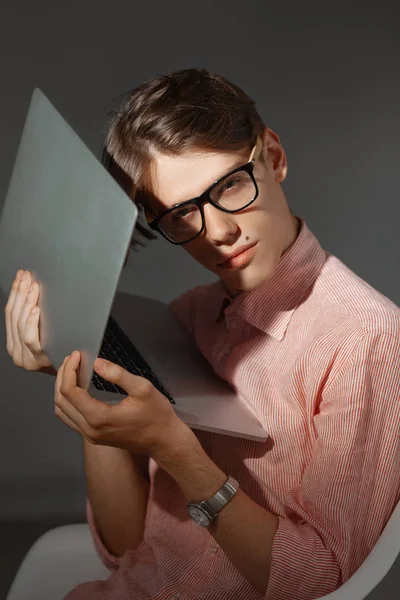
(351, 485)
(183, 308)
(109, 560)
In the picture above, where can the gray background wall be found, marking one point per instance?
(325, 77)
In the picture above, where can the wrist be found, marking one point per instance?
(172, 443)
(190, 466)
(204, 513)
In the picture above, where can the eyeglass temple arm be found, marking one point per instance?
(255, 153)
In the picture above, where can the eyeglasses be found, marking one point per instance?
(231, 193)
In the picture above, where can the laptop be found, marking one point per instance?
(70, 223)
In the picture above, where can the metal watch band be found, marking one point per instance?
(222, 497)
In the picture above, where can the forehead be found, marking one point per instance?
(178, 178)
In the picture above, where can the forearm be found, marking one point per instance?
(117, 487)
(244, 530)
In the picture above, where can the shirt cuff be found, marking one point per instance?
(302, 567)
(109, 560)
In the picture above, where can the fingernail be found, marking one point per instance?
(100, 363)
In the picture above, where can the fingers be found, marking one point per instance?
(8, 311)
(63, 407)
(86, 412)
(22, 326)
(70, 423)
(18, 315)
(31, 337)
(132, 384)
(65, 419)
(17, 324)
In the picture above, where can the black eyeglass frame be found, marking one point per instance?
(205, 197)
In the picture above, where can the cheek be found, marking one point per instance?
(271, 196)
(199, 249)
(203, 252)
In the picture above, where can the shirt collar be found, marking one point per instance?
(270, 306)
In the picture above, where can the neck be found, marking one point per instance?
(293, 234)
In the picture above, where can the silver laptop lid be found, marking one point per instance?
(67, 221)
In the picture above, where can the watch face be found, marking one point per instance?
(199, 516)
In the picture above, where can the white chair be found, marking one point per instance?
(65, 556)
(58, 561)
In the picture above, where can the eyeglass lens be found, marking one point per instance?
(232, 193)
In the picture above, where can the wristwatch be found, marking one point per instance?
(206, 512)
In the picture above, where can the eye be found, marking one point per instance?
(228, 185)
(231, 184)
(183, 212)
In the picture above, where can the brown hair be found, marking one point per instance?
(192, 108)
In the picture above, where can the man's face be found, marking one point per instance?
(267, 223)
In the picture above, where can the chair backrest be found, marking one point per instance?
(381, 559)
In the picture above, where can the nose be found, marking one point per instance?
(219, 225)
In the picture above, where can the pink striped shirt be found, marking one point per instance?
(315, 354)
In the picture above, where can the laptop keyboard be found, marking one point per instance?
(118, 348)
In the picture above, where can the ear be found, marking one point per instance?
(274, 154)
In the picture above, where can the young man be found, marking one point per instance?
(311, 348)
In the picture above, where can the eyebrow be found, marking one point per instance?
(237, 163)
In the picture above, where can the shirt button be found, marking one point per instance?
(214, 550)
(175, 597)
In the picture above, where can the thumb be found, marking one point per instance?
(115, 374)
(107, 369)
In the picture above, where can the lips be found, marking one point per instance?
(240, 258)
(236, 253)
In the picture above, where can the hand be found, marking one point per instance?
(22, 326)
(144, 422)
